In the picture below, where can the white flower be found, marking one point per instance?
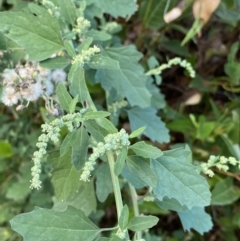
(48, 87)
(9, 76)
(10, 96)
(59, 75)
(32, 92)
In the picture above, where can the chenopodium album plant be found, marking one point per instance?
(60, 35)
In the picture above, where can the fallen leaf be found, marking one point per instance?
(204, 9)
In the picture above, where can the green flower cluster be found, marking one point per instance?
(51, 132)
(220, 162)
(51, 8)
(175, 61)
(112, 142)
(121, 233)
(114, 107)
(82, 26)
(85, 55)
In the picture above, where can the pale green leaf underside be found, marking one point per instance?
(179, 180)
(155, 128)
(38, 35)
(197, 219)
(43, 224)
(129, 81)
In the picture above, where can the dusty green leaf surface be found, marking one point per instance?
(48, 225)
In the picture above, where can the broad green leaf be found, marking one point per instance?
(18, 190)
(95, 114)
(119, 164)
(98, 35)
(67, 143)
(148, 151)
(102, 62)
(178, 179)
(39, 224)
(170, 204)
(225, 193)
(78, 85)
(65, 178)
(63, 96)
(155, 128)
(58, 62)
(38, 34)
(84, 200)
(107, 125)
(137, 132)
(232, 69)
(118, 8)
(69, 48)
(103, 183)
(68, 11)
(152, 12)
(85, 44)
(5, 149)
(131, 177)
(142, 222)
(142, 170)
(96, 131)
(197, 219)
(124, 216)
(73, 104)
(80, 148)
(129, 81)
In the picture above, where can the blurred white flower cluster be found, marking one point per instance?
(27, 83)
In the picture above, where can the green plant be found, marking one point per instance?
(89, 155)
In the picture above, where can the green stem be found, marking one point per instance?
(116, 186)
(135, 207)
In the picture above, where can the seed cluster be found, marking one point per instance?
(112, 142)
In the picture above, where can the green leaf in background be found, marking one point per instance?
(39, 224)
(107, 125)
(95, 114)
(152, 12)
(19, 190)
(58, 62)
(67, 142)
(170, 204)
(142, 222)
(142, 170)
(103, 183)
(129, 81)
(96, 131)
(84, 199)
(73, 104)
(155, 128)
(147, 151)
(137, 132)
(178, 179)
(80, 148)
(102, 62)
(98, 35)
(68, 11)
(119, 164)
(225, 193)
(131, 177)
(38, 35)
(65, 178)
(197, 219)
(78, 85)
(63, 96)
(5, 149)
(123, 220)
(118, 8)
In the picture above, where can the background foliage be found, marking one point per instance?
(203, 113)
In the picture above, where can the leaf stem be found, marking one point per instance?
(135, 207)
(116, 186)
